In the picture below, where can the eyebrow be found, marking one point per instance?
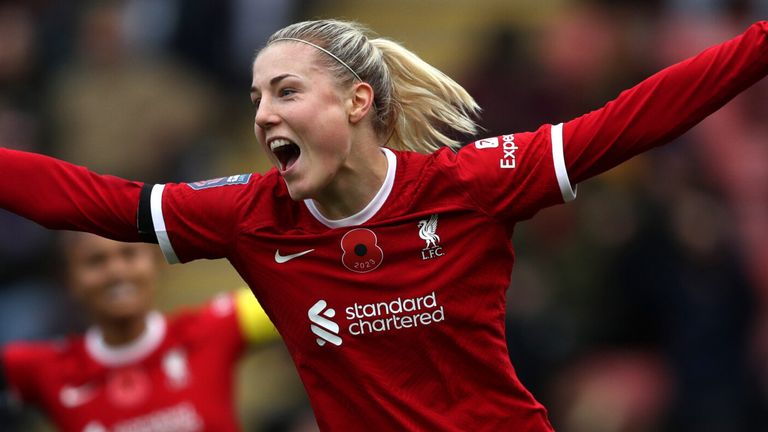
(275, 80)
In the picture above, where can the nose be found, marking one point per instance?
(265, 114)
(117, 268)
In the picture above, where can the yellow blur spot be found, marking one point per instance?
(254, 323)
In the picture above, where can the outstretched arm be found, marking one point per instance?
(60, 195)
(663, 106)
(188, 220)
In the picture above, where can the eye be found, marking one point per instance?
(256, 101)
(286, 92)
(95, 260)
(129, 253)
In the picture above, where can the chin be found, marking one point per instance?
(124, 310)
(297, 193)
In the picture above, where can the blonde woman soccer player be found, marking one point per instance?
(379, 251)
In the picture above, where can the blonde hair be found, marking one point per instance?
(415, 105)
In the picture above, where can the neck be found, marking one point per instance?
(355, 185)
(122, 331)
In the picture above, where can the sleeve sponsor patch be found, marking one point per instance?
(221, 181)
(508, 146)
(487, 143)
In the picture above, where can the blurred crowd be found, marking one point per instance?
(642, 306)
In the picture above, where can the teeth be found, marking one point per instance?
(121, 290)
(277, 143)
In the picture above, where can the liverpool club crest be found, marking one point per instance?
(428, 233)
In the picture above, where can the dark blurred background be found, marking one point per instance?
(642, 306)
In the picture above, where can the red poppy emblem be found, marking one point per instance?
(360, 251)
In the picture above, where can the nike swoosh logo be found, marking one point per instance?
(280, 259)
(72, 397)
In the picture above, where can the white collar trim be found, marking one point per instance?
(145, 344)
(371, 209)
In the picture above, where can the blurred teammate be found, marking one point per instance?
(382, 256)
(135, 369)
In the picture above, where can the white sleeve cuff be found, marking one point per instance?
(568, 192)
(156, 207)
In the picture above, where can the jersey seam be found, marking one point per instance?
(468, 196)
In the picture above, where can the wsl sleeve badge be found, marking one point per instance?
(221, 181)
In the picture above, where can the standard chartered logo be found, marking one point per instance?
(322, 327)
(393, 315)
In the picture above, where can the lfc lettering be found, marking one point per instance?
(432, 253)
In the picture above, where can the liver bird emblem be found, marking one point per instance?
(427, 231)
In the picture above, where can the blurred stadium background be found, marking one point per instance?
(643, 306)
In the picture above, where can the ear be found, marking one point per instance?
(361, 101)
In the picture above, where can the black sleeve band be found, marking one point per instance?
(144, 216)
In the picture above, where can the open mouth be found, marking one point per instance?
(286, 152)
(121, 291)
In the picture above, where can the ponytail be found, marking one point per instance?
(426, 103)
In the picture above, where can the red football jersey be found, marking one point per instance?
(177, 376)
(394, 316)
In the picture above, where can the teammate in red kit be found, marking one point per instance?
(135, 370)
(380, 253)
